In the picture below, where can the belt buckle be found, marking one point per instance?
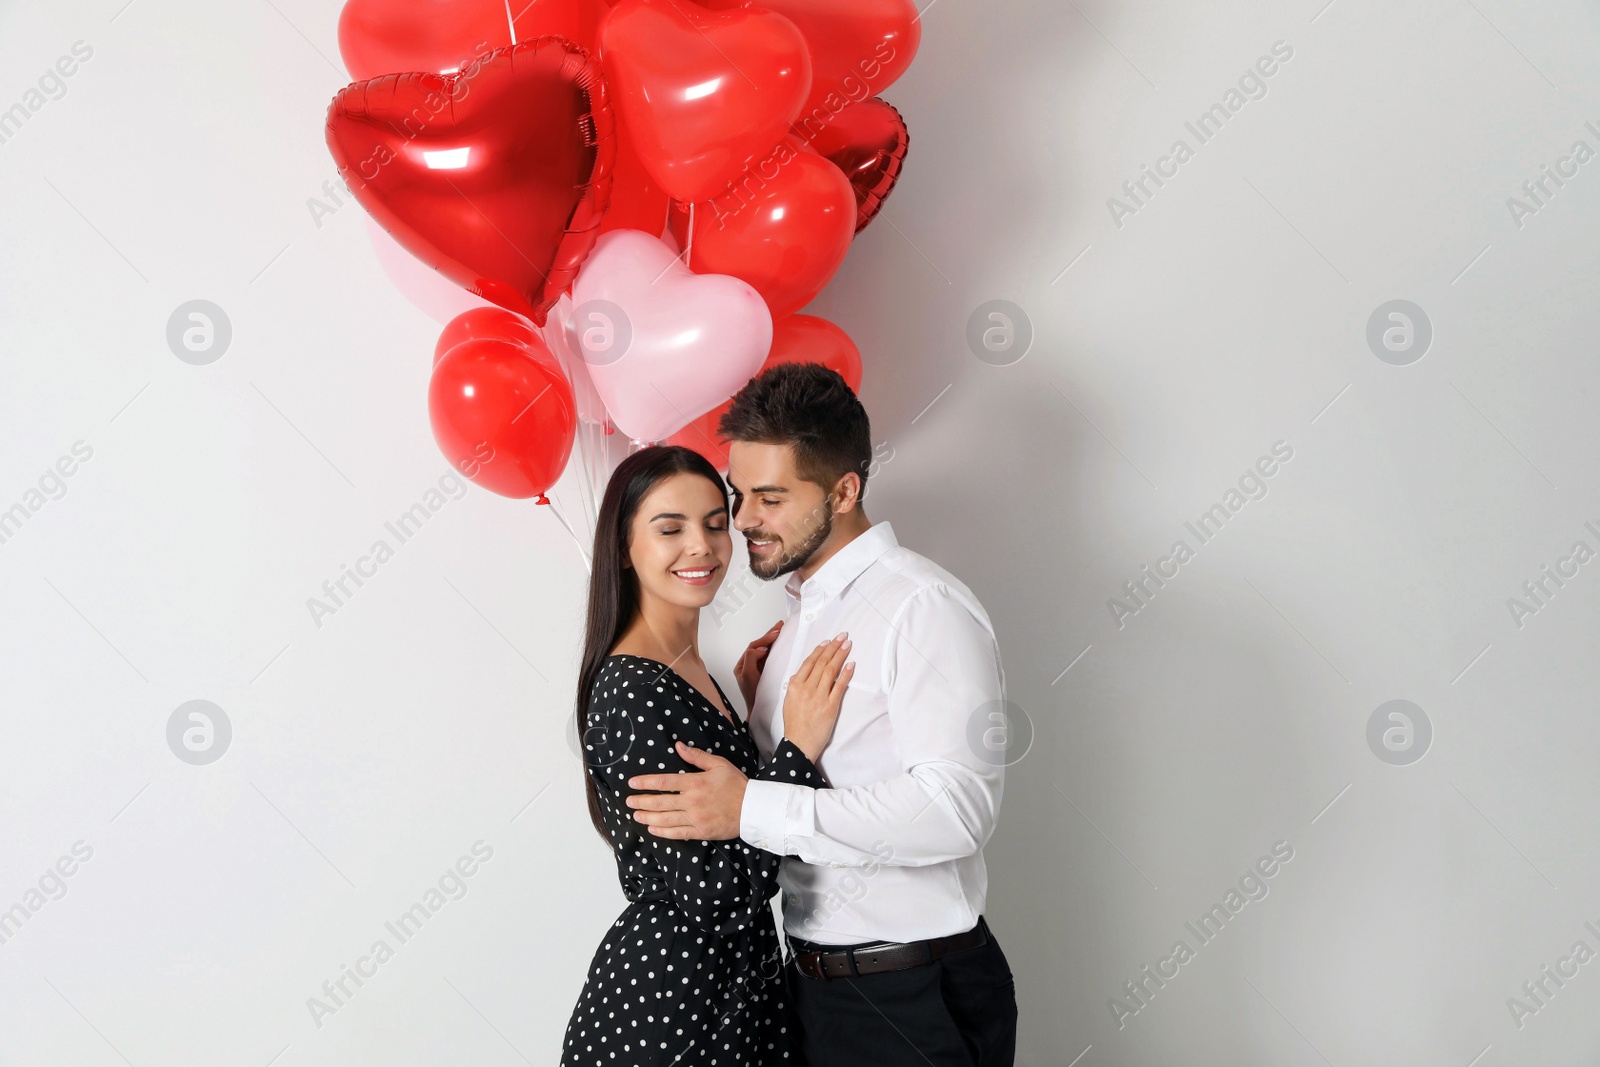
(810, 965)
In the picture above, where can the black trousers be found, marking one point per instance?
(958, 1011)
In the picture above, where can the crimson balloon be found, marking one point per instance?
(868, 142)
(785, 229)
(637, 202)
(383, 36)
(503, 415)
(702, 92)
(496, 176)
(493, 322)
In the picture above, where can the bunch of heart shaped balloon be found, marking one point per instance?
(646, 192)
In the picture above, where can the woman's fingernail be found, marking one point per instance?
(850, 666)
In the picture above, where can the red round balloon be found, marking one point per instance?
(502, 415)
(497, 177)
(389, 36)
(703, 93)
(491, 322)
(868, 142)
(785, 229)
(796, 339)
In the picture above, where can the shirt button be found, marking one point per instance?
(810, 615)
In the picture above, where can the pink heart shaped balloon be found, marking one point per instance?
(663, 345)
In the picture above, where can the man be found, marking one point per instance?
(883, 880)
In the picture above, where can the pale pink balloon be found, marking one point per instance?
(663, 345)
(561, 337)
(439, 297)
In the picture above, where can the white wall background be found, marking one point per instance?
(1169, 354)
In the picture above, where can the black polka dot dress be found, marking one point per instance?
(691, 974)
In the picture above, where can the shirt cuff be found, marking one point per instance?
(773, 811)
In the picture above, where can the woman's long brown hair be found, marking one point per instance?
(614, 588)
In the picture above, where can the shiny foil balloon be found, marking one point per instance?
(796, 339)
(867, 141)
(497, 177)
(385, 36)
(503, 415)
(785, 229)
(702, 92)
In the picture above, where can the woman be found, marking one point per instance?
(691, 974)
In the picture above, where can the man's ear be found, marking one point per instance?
(847, 492)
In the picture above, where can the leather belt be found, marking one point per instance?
(880, 956)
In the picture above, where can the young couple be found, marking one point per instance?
(852, 785)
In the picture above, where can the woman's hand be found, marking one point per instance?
(748, 669)
(816, 692)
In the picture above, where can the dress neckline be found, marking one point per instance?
(731, 717)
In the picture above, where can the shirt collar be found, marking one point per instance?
(845, 565)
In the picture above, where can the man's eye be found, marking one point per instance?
(769, 503)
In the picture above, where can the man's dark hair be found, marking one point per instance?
(811, 409)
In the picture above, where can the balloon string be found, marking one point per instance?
(575, 539)
(688, 246)
(511, 23)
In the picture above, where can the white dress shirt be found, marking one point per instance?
(894, 851)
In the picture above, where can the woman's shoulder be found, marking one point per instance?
(628, 678)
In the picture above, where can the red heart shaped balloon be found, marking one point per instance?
(703, 93)
(383, 36)
(867, 141)
(497, 176)
(858, 47)
(785, 228)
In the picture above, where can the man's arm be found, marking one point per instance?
(943, 677)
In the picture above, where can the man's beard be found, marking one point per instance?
(793, 559)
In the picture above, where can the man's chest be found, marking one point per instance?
(863, 738)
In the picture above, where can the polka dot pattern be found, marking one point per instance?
(691, 974)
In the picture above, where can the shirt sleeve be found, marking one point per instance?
(944, 684)
(718, 886)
